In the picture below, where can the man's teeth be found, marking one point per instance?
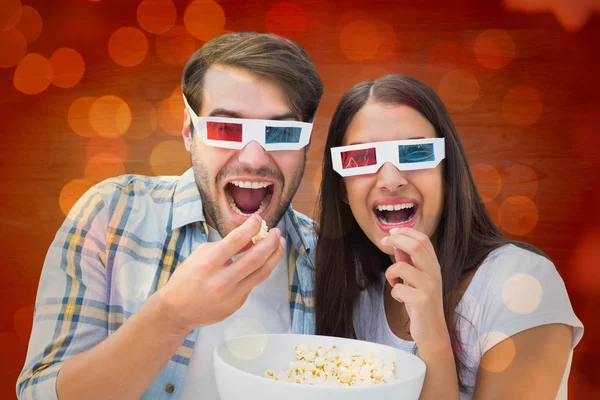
(395, 207)
(261, 208)
(251, 185)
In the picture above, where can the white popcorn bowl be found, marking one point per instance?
(240, 366)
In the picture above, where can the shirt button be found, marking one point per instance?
(170, 388)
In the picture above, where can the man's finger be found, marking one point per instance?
(254, 258)
(235, 242)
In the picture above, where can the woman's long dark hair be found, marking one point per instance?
(347, 262)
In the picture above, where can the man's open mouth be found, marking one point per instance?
(249, 197)
(395, 214)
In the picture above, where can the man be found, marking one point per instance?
(148, 274)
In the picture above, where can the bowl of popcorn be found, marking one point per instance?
(299, 367)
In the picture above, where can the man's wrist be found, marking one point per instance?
(167, 316)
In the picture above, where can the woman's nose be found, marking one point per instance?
(390, 178)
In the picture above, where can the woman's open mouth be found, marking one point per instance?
(249, 197)
(394, 215)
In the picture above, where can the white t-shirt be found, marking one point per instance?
(513, 290)
(266, 310)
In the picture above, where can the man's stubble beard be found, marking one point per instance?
(210, 203)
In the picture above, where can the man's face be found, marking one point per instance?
(234, 184)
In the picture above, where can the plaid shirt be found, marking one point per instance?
(119, 244)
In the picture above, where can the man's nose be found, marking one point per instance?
(254, 155)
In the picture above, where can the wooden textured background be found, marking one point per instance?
(90, 89)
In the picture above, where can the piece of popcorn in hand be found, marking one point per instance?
(262, 233)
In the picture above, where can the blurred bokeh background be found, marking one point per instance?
(91, 89)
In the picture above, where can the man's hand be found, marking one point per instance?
(208, 287)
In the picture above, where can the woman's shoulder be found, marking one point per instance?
(511, 259)
(515, 289)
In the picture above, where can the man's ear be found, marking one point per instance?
(186, 130)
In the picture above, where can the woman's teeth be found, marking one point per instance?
(263, 204)
(395, 207)
(385, 209)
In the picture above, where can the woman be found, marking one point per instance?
(408, 255)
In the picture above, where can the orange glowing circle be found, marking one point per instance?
(493, 210)
(156, 16)
(488, 181)
(522, 106)
(14, 20)
(14, 47)
(176, 46)
(520, 180)
(144, 119)
(359, 40)
(443, 57)
(23, 321)
(33, 74)
(103, 166)
(79, 116)
(72, 192)
(458, 89)
(371, 72)
(110, 116)
(286, 19)
(170, 113)
(387, 41)
(494, 48)
(176, 104)
(67, 67)
(204, 19)
(518, 215)
(504, 353)
(167, 121)
(10, 13)
(98, 145)
(30, 24)
(128, 46)
(170, 158)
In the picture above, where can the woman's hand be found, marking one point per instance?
(421, 291)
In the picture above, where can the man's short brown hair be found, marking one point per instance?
(270, 56)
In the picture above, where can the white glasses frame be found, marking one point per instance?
(388, 152)
(252, 130)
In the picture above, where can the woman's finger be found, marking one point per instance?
(405, 293)
(408, 273)
(414, 248)
(417, 235)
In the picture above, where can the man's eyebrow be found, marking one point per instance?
(285, 116)
(222, 112)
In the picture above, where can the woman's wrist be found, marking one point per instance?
(436, 345)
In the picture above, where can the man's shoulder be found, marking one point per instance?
(306, 228)
(306, 225)
(304, 221)
(139, 187)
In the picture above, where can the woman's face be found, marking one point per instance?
(417, 195)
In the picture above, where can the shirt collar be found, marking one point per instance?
(187, 205)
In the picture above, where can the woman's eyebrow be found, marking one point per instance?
(410, 138)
